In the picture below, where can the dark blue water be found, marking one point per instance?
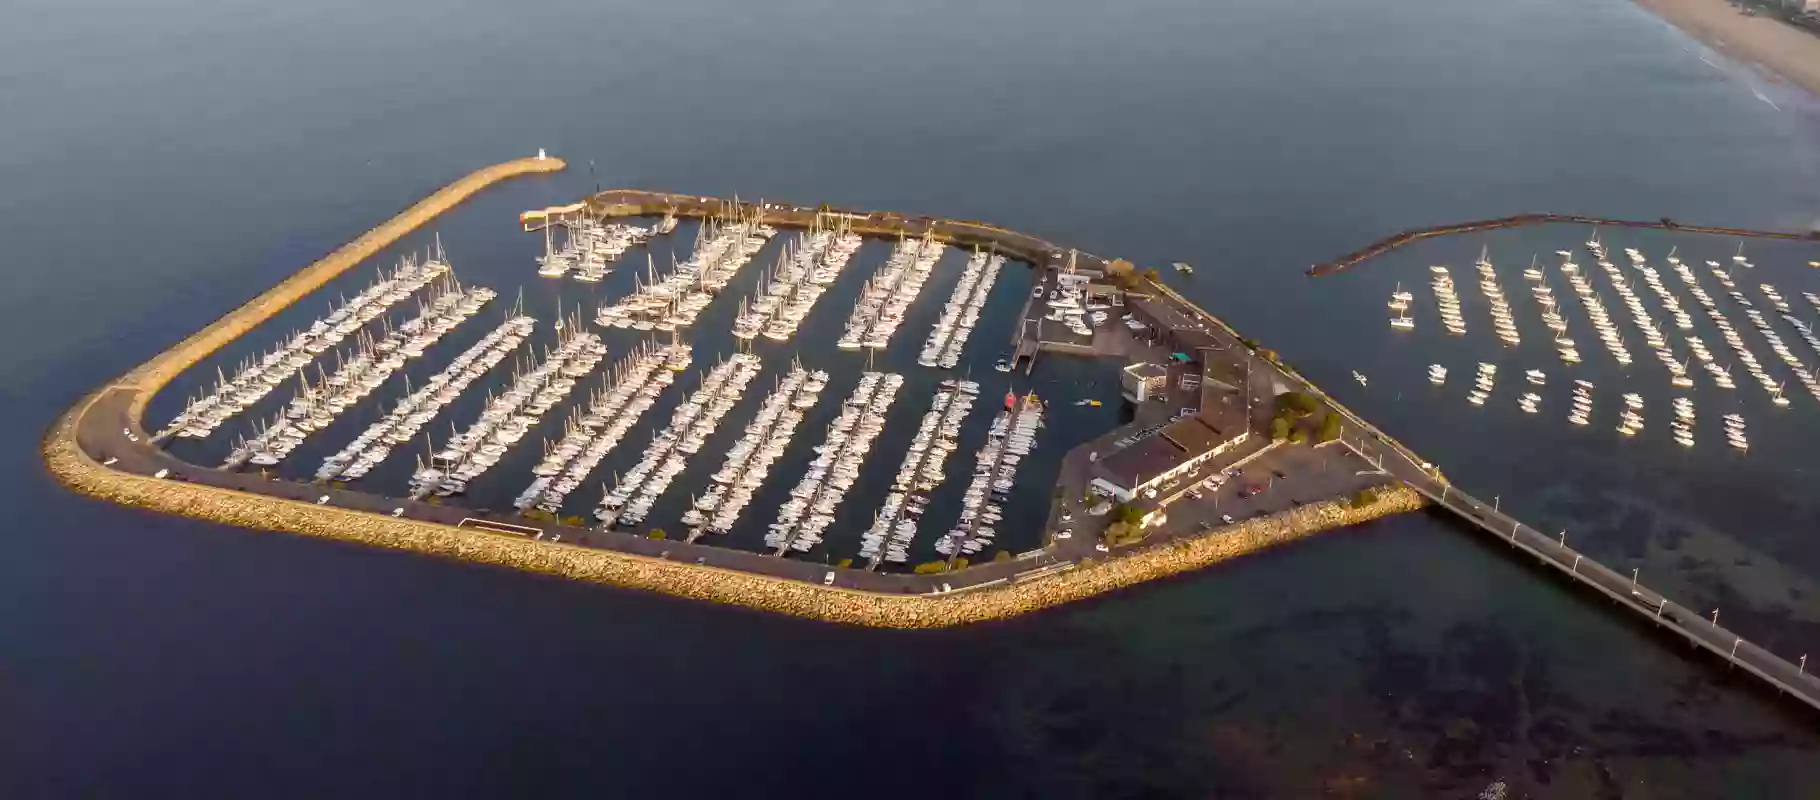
(161, 165)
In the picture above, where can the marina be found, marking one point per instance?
(898, 519)
(810, 510)
(1658, 327)
(591, 246)
(890, 292)
(419, 407)
(1159, 460)
(962, 312)
(674, 300)
(1012, 437)
(255, 379)
(635, 492)
(749, 460)
(801, 277)
(373, 362)
(595, 429)
(506, 419)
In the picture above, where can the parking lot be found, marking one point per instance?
(1280, 479)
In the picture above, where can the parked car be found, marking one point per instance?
(1226, 518)
(1102, 547)
(828, 579)
(1196, 494)
(398, 512)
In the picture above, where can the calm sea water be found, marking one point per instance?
(161, 165)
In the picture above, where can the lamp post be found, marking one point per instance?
(1563, 538)
(1576, 569)
(1633, 578)
(1494, 504)
(1715, 618)
(1735, 643)
(1804, 664)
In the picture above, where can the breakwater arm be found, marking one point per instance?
(154, 374)
(1390, 243)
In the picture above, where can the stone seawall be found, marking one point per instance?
(778, 595)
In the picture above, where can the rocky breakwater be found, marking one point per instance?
(831, 604)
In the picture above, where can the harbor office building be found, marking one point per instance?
(1152, 464)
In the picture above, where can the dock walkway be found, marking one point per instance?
(999, 465)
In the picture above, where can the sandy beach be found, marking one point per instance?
(1787, 51)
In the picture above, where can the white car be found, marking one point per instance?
(110, 461)
(161, 473)
(1063, 535)
(1102, 547)
(323, 500)
(828, 579)
(398, 512)
(1226, 518)
(1067, 516)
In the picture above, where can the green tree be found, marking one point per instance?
(1330, 428)
(960, 563)
(930, 567)
(1127, 514)
(844, 563)
(574, 521)
(1279, 428)
(1123, 533)
(1300, 404)
(658, 533)
(1002, 555)
(1298, 435)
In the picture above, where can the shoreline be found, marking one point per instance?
(1780, 49)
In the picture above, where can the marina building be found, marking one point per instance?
(1155, 462)
(1172, 326)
